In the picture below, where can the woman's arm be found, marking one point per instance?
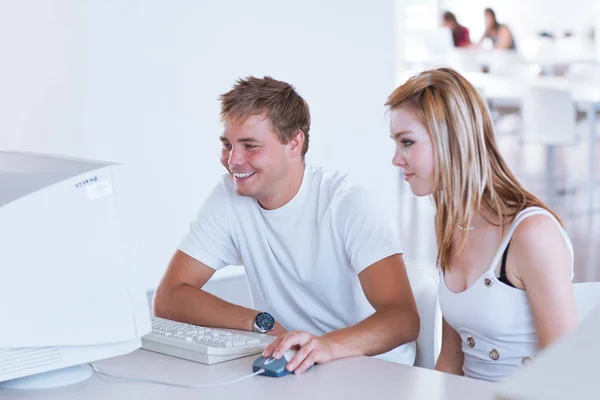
(504, 38)
(451, 356)
(483, 37)
(542, 266)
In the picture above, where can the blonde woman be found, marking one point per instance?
(505, 261)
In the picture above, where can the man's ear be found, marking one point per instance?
(296, 143)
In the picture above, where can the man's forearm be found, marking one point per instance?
(388, 328)
(195, 306)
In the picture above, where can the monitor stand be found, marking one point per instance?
(51, 379)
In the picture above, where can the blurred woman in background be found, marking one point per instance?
(460, 34)
(499, 34)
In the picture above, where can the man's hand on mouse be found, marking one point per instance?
(311, 350)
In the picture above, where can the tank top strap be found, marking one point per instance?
(520, 217)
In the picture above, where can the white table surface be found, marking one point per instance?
(353, 378)
(498, 87)
(510, 89)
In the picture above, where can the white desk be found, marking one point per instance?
(353, 378)
(509, 90)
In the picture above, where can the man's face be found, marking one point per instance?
(255, 157)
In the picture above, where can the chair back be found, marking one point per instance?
(425, 290)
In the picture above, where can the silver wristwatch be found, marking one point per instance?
(263, 322)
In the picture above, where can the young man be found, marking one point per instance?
(319, 259)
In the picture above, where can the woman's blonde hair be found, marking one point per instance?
(469, 170)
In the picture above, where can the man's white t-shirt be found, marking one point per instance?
(302, 260)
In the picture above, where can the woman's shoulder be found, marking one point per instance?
(536, 222)
(540, 236)
(504, 29)
(537, 226)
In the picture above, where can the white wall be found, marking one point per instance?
(596, 17)
(40, 76)
(149, 73)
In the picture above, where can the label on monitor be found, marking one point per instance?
(100, 189)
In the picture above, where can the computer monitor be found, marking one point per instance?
(69, 293)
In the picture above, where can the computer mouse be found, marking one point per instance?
(273, 367)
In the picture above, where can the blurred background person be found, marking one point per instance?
(499, 34)
(460, 34)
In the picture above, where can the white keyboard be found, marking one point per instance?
(201, 344)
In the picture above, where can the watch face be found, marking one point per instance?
(265, 321)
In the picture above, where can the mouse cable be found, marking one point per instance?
(126, 378)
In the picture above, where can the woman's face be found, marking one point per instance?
(414, 150)
(489, 20)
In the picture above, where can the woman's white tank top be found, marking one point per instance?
(494, 320)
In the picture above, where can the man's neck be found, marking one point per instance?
(286, 191)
